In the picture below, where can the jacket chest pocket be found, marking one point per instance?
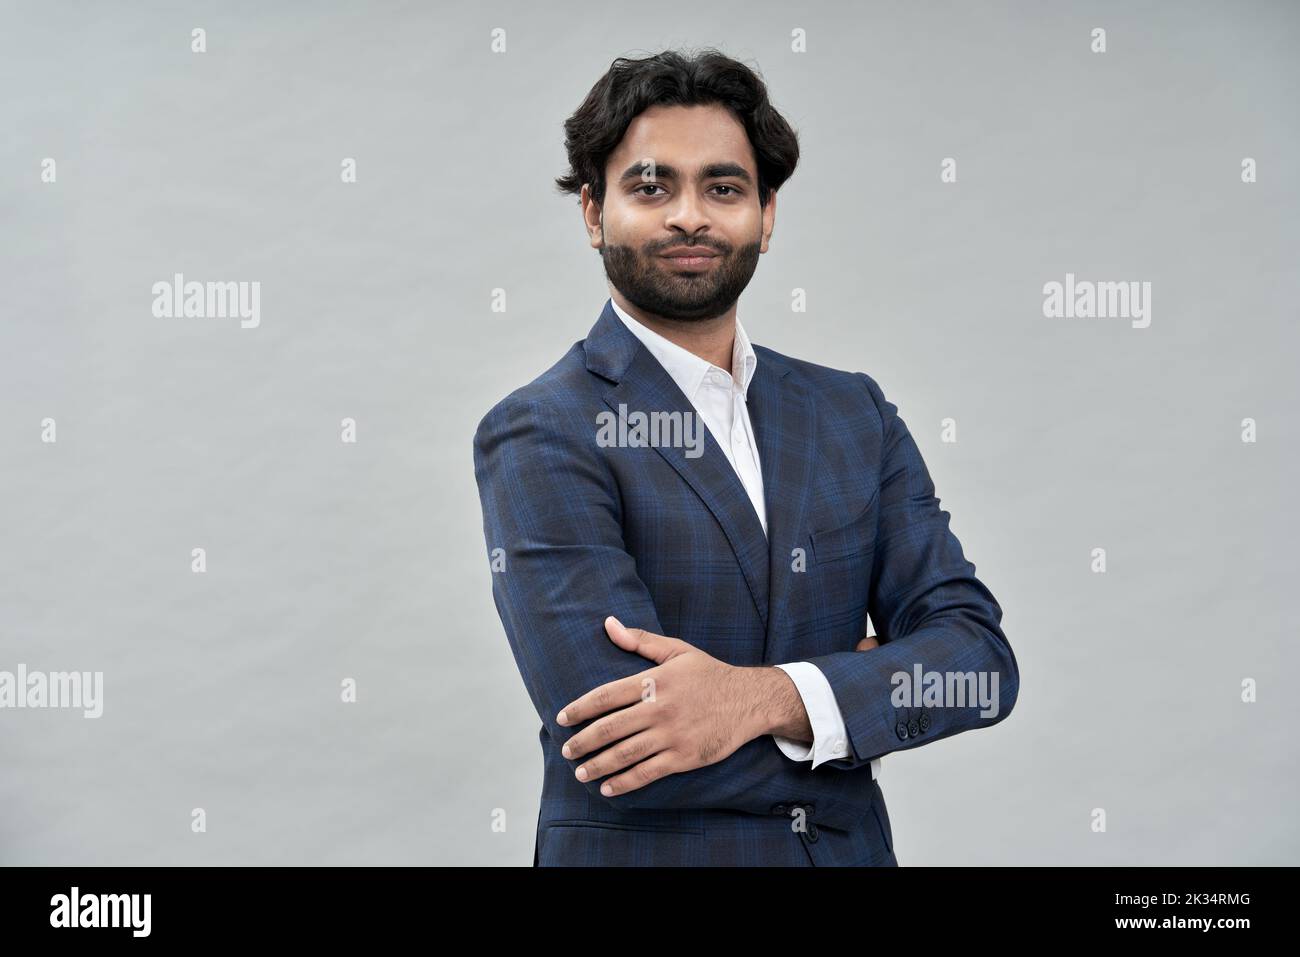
(853, 539)
(838, 585)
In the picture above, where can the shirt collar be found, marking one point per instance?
(685, 367)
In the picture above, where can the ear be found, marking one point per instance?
(593, 215)
(769, 219)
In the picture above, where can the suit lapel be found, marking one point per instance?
(784, 423)
(643, 385)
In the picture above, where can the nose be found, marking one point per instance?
(687, 213)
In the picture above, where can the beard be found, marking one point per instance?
(651, 283)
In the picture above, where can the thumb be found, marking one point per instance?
(658, 648)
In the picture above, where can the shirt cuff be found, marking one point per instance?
(830, 737)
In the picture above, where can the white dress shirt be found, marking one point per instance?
(720, 401)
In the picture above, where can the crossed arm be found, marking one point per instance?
(703, 712)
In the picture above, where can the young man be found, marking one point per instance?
(688, 531)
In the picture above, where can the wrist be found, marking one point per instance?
(776, 697)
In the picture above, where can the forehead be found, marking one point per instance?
(685, 137)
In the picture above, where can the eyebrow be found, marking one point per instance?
(666, 171)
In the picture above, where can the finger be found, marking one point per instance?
(658, 648)
(607, 731)
(623, 754)
(648, 771)
(867, 643)
(605, 698)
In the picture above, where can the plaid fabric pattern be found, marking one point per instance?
(671, 543)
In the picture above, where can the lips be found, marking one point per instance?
(691, 259)
(689, 252)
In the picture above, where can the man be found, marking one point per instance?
(688, 531)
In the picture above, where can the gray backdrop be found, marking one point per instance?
(329, 560)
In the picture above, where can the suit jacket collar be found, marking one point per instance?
(611, 346)
(687, 369)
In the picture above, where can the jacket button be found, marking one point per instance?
(900, 729)
(781, 809)
(913, 729)
(925, 721)
(811, 833)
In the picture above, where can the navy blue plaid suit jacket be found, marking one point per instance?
(671, 543)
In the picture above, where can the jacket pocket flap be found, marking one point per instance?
(855, 537)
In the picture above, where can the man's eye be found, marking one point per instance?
(731, 190)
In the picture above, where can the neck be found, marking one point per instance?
(710, 339)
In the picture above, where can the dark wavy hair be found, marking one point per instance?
(672, 78)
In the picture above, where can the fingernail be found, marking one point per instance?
(562, 718)
(581, 774)
(565, 750)
(607, 790)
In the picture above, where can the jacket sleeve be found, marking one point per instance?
(930, 611)
(552, 506)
